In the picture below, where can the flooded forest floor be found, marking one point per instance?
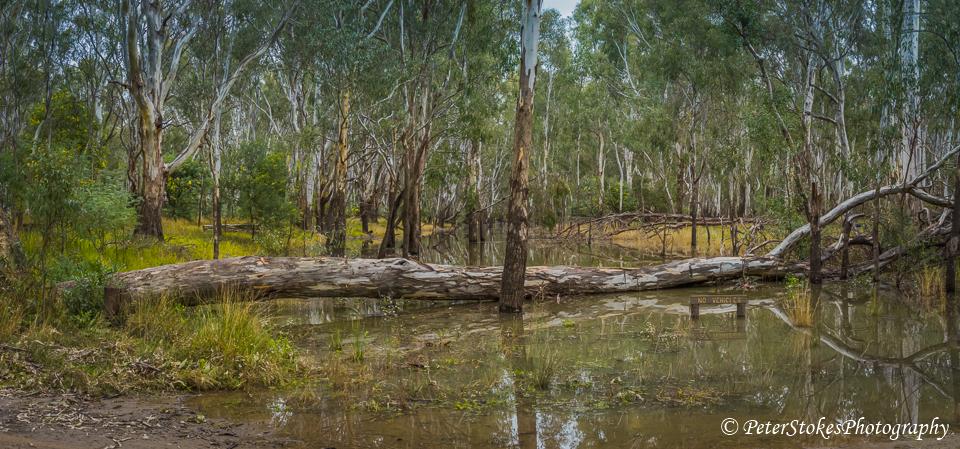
(614, 370)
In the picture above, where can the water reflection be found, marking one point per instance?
(634, 372)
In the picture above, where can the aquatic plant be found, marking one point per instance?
(798, 303)
(336, 340)
(543, 366)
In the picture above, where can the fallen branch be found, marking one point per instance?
(245, 227)
(841, 209)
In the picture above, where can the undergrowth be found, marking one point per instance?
(160, 347)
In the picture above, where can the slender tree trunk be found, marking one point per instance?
(417, 154)
(473, 200)
(515, 257)
(694, 195)
(816, 275)
(338, 241)
(950, 284)
(876, 236)
(389, 235)
(411, 206)
(845, 257)
(305, 198)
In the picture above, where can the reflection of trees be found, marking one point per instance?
(953, 335)
(844, 343)
(513, 344)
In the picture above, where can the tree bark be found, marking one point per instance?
(950, 284)
(415, 160)
(296, 277)
(694, 195)
(473, 200)
(338, 239)
(515, 257)
(389, 235)
(876, 236)
(845, 243)
(816, 276)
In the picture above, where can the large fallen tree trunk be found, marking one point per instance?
(297, 277)
(243, 227)
(191, 282)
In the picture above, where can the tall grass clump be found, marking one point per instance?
(543, 365)
(227, 343)
(11, 314)
(930, 279)
(798, 304)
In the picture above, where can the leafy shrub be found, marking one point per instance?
(105, 211)
(84, 302)
(184, 189)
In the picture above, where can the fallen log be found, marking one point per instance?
(192, 282)
(231, 228)
(794, 239)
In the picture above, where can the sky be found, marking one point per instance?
(564, 6)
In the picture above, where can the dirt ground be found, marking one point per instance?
(70, 422)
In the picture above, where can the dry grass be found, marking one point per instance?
(798, 303)
(930, 279)
(161, 346)
(677, 241)
(11, 315)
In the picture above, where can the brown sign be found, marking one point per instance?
(739, 300)
(718, 299)
(719, 335)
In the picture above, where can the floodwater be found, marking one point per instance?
(622, 370)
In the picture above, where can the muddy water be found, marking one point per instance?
(626, 370)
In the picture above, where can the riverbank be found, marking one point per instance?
(72, 421)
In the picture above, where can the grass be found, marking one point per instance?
(160, 347)
(798, 303)
(677, 241)
(543, 364)
(930, 279)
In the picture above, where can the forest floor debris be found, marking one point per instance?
(72, 421)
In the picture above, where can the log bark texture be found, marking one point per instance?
(296, 277)
(231, 228)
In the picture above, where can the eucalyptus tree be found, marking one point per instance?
(213, 58)
(22, 86)
(515, 259)
(150, 29)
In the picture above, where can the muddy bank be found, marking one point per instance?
(69, 421)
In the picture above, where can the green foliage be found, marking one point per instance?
(52, 174)
(611, 198)
(105, 213)
(84, 302)
(184, 188)
(70, 125)
(260, 183)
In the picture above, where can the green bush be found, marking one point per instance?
(105, 211)
(184, 190)
(259, 183)
(84, 302)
